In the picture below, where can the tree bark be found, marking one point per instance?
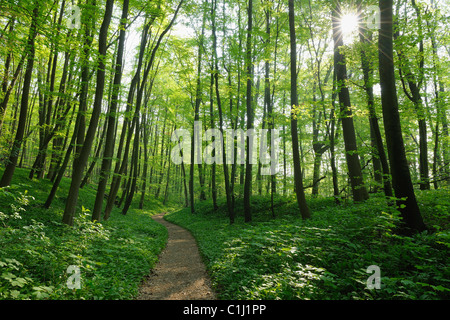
(108, 152)
(414, 84)
(198, 99)
(80, 164)
(359, 191)
(17, 144)
(401, 178)
(379, 155)
(219, 106)
(250, 117)
(298, 178)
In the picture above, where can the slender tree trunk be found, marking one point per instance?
(62, 168)
(219, 106)
(88, 39)
(91, 167)
(166, 192)
(284, 153)
(198, 99)
(211, 115)
(127, 131)
(145, 169)
(298, 179)
(359, 191)
(414, 83)
(79, 166)
(61, 122)
(250, 118)
(39, 165)
(268, 102)
(333, 137)
(401, 178)
(17, 144)
(139, 102)
(7, 89)
(379, 155)
(194, 145)
(111, 120)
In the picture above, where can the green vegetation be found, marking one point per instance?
(343, 162)
(36, 249)
(325, 257)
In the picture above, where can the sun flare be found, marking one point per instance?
(349, 23)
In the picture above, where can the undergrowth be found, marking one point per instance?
(326, 257)
(37, 251)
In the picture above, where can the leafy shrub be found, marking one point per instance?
(36, 249)
(325, 257)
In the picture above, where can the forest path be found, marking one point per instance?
(180, 273)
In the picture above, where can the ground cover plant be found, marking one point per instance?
(36, 250)
(325, 257)
(252, 119)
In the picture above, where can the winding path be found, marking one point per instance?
(180, 273)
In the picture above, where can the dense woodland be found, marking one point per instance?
(355, 93)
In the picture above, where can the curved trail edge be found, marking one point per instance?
(180, 273)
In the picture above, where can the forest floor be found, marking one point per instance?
(180, 273)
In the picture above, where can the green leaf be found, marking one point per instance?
(8, 276)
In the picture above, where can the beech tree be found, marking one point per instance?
(351, 151)
(401, 178)
(250, 115)
(298, 179)
(111, 119)
(30, 56)
(81, 162)
(97, 102)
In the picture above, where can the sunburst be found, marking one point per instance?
(349, 24)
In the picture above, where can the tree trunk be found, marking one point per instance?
(414, 84)
(17, 144)
(219, 106)
(250, 118)
(298, 179)
(211, 115)
(108, 152)
(198, 99)
(91, 167)
(333, 137)
(7, 89)
(145, 141)
(401, 178)
(359, 191)
(80, 164)
(127, 131)
(379, 155)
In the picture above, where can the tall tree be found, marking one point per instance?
(127, 128)
(378, 154)
(250, 116)
(221, 116)
(198, 100)
(80, 164)
(18, 140)
(8, 88)
(415, 82)
(401, 178)
(298, 175)
(139, 98)
(111, 118)
(359, 191)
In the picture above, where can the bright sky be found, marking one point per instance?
(349, 27)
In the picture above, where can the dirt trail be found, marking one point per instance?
(180, 273)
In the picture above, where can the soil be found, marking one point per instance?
(180, 273)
